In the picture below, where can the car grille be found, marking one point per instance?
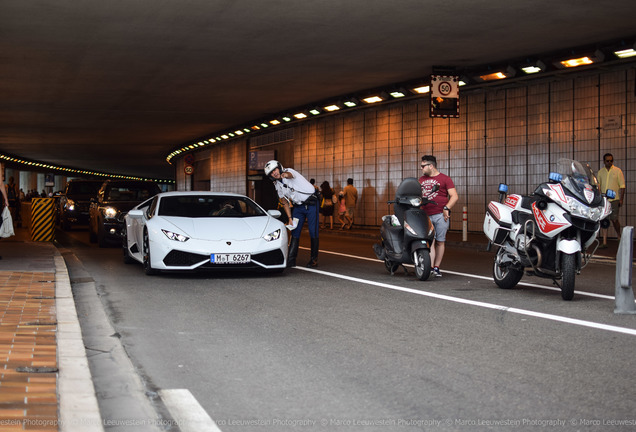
(186, 259)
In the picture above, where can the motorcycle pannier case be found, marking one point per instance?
(498, 222)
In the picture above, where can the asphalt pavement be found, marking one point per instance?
(46, 366)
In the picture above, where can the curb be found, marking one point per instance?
(78, 407)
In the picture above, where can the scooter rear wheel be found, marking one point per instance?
(391, 266)
(422, 261)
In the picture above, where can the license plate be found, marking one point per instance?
(230, 258)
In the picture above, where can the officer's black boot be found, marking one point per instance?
(293, 251)
(313, 262)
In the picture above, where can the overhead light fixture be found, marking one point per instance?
(287, 119)
(626, 53)
(509, 72)
(351, 102)
(314, 111)
(331, 108)
(396, 94)
(575, 62)
(422, 89)
(531, 69)
(300, 116)
(373, 99)
(275, 122)
(580, 60)
(493, 76)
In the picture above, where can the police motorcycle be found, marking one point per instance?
(406, 236)
(551, 233)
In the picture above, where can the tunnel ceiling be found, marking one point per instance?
(115, 85)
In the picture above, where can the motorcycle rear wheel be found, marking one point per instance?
(505, 277)
(422, 261)
(568, 275)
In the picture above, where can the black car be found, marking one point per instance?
(74, 202)
(114, 199)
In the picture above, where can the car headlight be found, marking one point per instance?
(110, 212)
(70, 205)
(272, 236)
(175, 236)
(416, 202)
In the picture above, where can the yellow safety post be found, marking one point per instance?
(42, 219)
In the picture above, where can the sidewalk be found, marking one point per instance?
(45, 382)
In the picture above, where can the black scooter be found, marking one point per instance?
(408, 234)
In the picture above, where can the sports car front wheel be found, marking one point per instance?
(147, 263)
(124, 245)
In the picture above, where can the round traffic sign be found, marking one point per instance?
(445, 88)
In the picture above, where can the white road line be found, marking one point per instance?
(558, 318)
(545, 287)
(186, 411)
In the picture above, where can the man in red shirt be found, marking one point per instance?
(439, 211)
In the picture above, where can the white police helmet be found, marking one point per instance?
(271, 166)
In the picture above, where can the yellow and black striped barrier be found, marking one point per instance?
(42, 219)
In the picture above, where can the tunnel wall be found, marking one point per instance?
(509, 134)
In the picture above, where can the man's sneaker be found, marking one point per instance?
(437, 272)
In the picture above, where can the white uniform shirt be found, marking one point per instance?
(296, 189)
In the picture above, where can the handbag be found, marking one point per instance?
(6, 230)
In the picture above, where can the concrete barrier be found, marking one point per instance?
(624, 294)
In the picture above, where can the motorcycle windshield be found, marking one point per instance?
(577, 177)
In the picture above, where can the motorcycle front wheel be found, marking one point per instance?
(505, 276)
(422, 261)
(568, 274)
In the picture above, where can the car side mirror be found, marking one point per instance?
(136, 213)
(274, 213)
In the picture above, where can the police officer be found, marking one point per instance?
(293, 188)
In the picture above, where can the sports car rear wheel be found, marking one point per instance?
(147, 263)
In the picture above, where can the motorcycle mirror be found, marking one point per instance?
(503, 188)
(555, 177)
(435, 188)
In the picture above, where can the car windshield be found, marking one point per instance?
(129, 193)
(199, 206)
(83, 188)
